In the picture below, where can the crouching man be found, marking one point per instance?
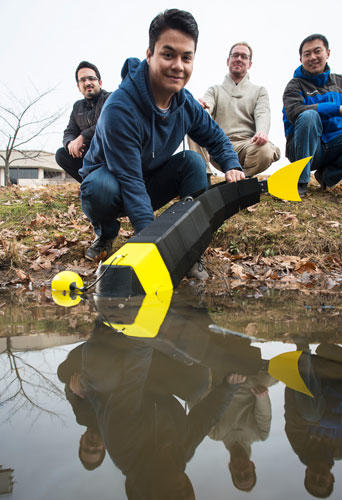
(83, 118)
(313, 114)
(130, 168)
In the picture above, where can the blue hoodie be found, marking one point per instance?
(134, 137)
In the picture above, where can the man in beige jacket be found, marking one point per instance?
(242, 110)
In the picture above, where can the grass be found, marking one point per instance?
(276, 227)
(38, 224)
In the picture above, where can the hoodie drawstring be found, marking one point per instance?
(183, 133)
(152, 132)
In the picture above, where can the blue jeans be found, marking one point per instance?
(184, 174)
(306, 141)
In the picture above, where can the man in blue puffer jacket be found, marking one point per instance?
(312, 114)
(130, 168)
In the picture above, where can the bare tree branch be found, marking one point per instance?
(22, 122)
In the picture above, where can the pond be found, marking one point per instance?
(182, 397)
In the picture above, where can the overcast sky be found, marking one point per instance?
(42, 41)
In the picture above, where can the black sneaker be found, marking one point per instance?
(302, 189)
(198, 270)
(319, 178)
(100, 247)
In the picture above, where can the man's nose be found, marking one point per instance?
(178, 64)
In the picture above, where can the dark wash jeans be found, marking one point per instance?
(69, 164)
(306, 141)
(184, 174)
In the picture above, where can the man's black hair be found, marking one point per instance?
(174, 19)
(310, 38)
(86, 64)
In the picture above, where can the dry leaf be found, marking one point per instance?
(22, 275)
(305, 267)
(72, 210)
(60, 240)
(252, 208)
(237, 270)
(333, 223)
(251, 329)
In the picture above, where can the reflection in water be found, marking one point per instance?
(314, 425)
(91, 449)
(134, 387)
(24, 384)
(6, 481)
(148, 403)
(133, 391)
(248, 419)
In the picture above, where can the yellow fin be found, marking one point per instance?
(284, 367)
(284, 182)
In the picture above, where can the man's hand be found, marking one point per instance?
(236, 378)
(76, 147)
(234, 175)
(259, 139)
(259, 391)
(203, 104)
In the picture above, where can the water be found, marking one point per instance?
(153, 400)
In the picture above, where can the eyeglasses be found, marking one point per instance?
(236, 55)
(85, 78)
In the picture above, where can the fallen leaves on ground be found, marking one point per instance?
(44, 231)
(290, 272)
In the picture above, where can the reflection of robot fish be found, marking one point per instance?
(169, 327)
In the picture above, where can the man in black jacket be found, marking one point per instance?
(85, 113)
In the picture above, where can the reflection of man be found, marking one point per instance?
(242, 110)
(91, 448)
(314, 424)
(312, 114)
(246, 420)
(130, 167)
(85, 113)
(148, 433)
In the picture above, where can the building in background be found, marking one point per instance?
(30, 169)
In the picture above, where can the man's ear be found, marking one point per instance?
(250, 64)
(100, 83)
(148, 56)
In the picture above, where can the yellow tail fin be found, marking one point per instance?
(284, 367)
(284, 182)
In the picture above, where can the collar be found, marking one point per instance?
(318, 80)
(233, 89)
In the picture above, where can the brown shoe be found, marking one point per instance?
(100, 248)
